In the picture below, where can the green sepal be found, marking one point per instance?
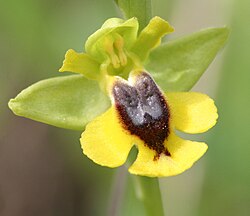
(178, 64)
(142, 9)
(68, 102)
(95, 44)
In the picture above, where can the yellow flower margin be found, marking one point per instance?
(107, 143)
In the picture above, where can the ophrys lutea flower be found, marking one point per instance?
(140, 114)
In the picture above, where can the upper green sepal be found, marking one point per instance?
(178, 64)
(95, 44)
(69, 102)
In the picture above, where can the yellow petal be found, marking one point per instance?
(192, 112)
(80, 63)
(183, 154)
(150, 37)
(105, 141)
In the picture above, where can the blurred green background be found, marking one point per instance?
(42, 169)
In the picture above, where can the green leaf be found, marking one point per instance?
(136, 8)
(68, 102)
(178, 64)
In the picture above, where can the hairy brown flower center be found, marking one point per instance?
(143, 111)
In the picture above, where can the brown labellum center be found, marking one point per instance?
(143, 111)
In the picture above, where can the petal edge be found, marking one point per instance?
(192, 112)
(105, 142)
(183, 155)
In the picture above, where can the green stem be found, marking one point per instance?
(142, 9)
(118, 192)
(148, 192)
(142, 195)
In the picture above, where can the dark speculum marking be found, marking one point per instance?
(143, 111)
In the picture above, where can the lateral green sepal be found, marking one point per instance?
(178, 64)
(68, 102)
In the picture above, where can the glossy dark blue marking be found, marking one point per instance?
(143, 111)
